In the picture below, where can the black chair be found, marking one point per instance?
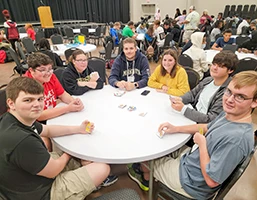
(98, 65)
(96, 35)
(239, 10)
(163, 191)
(226, 11)
(28, 45)
(22, 30)
(232, 11)
(58, 73)
(85, 32)
(22, 67)
(69, 33)
(251, 11)
(3, 107)
(20, 51)
(241, 39)
(193, 77)
(56, 39)
(39, 35)
(167, 41)
(246, 64)
(122, 194)
(185, 60)
(69, 51)
(245, 10)
(108, 53)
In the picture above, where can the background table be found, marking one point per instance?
(90, 30)
(62, 47)
(211, 53)
(122, 136)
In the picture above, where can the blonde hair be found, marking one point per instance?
(27, 26)
(246, 78)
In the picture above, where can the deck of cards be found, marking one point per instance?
(161, 133)
(88, 127)
(119, 93)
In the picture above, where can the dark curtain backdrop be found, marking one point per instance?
(91, 10)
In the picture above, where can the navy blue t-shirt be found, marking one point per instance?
(221, 43)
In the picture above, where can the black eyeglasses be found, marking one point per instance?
(44, 72)
(238, 97)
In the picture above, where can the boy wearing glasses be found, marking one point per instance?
(40, 69)
(27, 169)
(221, 145)
(206, 97)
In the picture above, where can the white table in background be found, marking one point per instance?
(122, 136)
(211, 53)
(90, 30)
(22, 35)
(140, 36)
(62, 47)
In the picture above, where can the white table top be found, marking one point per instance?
(122, 136)
(140, 36)
(211, 53)
(90, 30)
(62, 47)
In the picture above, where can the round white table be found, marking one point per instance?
(90, 30)
(140, 36)
(211, 53)
(62, 47)
(120, 135)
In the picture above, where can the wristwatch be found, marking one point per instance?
(136, 85)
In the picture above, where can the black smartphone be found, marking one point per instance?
(146, 92)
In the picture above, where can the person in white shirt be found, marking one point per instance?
(157, 15)
(196, 52)
(246, 22)
(191, 23)
(159, 33)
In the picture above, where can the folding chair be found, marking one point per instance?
(245, 10)
(28, 45)
(239, 10)
(20, 51)
(3, 107)
(69, 33)
(193, 77)
(98, 65)
(241, 39)
(22, 67)
(69, 51)
(226, 11)
(56, 39)
(246, 64)
(185, 60)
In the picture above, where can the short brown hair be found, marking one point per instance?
(76, 53)
(25, 84)
(157, 22)
(174, 54)
(246, 78)
(130, 40)
(37, 59)
(226, 58)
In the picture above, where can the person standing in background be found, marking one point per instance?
(12, 33)
(157, 15)
(30, 31)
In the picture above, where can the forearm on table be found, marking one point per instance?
(192, 129)
(58, 130)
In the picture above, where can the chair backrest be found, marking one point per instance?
(58, 73)
(233, 178)
(28, 45)
(69, 32)
(168, 39)
(20, 51)
(3, 107)
(21, 67)
(22, 30)
(56, 39)
(69, 51)
(108, 51)
(50, 54)
(98, 65)
(230, 47)
(39, 35)
(246, 64)
(185, 60)
(193, 77)
(241, 39)
(84, 31)
(98, 31)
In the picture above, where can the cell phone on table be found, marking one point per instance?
(145, 92)
(55, 48)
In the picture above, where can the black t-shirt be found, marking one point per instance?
(23, 155)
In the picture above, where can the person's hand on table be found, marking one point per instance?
(121, 84)
(244, 50)
(167, 128)
(164, 89)
(176, 103)
(92, 84)
(129, 86)
(75, 105)
(82, 83)
(86, 127)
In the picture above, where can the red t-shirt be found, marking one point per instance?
(31, 33)
(52, 90)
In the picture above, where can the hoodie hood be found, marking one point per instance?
(197, 39)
